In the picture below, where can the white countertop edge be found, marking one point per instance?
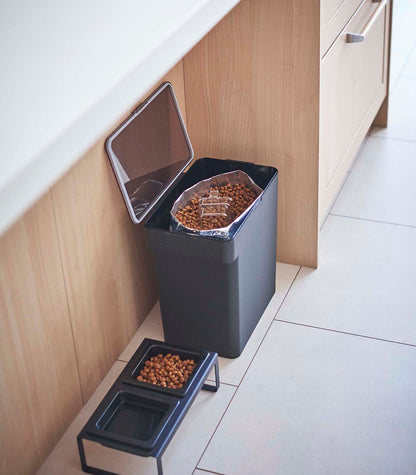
(33, 180)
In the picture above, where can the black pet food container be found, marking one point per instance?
(213, 291)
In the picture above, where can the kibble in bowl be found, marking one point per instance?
(168, 371)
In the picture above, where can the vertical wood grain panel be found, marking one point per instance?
(40, 390)
(108, 268)
(252, 93)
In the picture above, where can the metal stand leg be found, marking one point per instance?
(210, 387)
(81, 451)
(86, 468)
(159, 466)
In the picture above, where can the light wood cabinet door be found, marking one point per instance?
(353, 86)
(335, 14)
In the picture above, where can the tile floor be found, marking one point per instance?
(327, 382)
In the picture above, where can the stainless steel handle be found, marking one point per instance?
(358, 37)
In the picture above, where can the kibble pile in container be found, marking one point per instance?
(168, 371)
(240, 198)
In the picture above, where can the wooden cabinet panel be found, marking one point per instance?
(353, 85)
(252, 93)
(51, 324)
(40, 390)
(108, 268)
(335, 14)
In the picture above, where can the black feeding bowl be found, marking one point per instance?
(138, 364)
(135, 419)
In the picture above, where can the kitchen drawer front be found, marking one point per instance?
(335, 14)
(353, 86)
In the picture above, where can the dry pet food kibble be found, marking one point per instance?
(168, 371)
(241, 198)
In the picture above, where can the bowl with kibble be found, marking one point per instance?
(166, 369)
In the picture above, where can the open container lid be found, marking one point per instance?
(149, 150)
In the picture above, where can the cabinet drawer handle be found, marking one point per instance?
(358, 37)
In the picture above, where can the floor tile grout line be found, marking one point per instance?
(223, 382)
(207, 471)
(248, 367)
(216, 427)
(395, 139)
(271, 323)
(400, 75)
(372, 220)
(347, 176)
(347, 333)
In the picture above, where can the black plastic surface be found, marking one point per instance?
(135, 419)
(214, 291)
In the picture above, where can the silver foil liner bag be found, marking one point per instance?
(202, 188)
